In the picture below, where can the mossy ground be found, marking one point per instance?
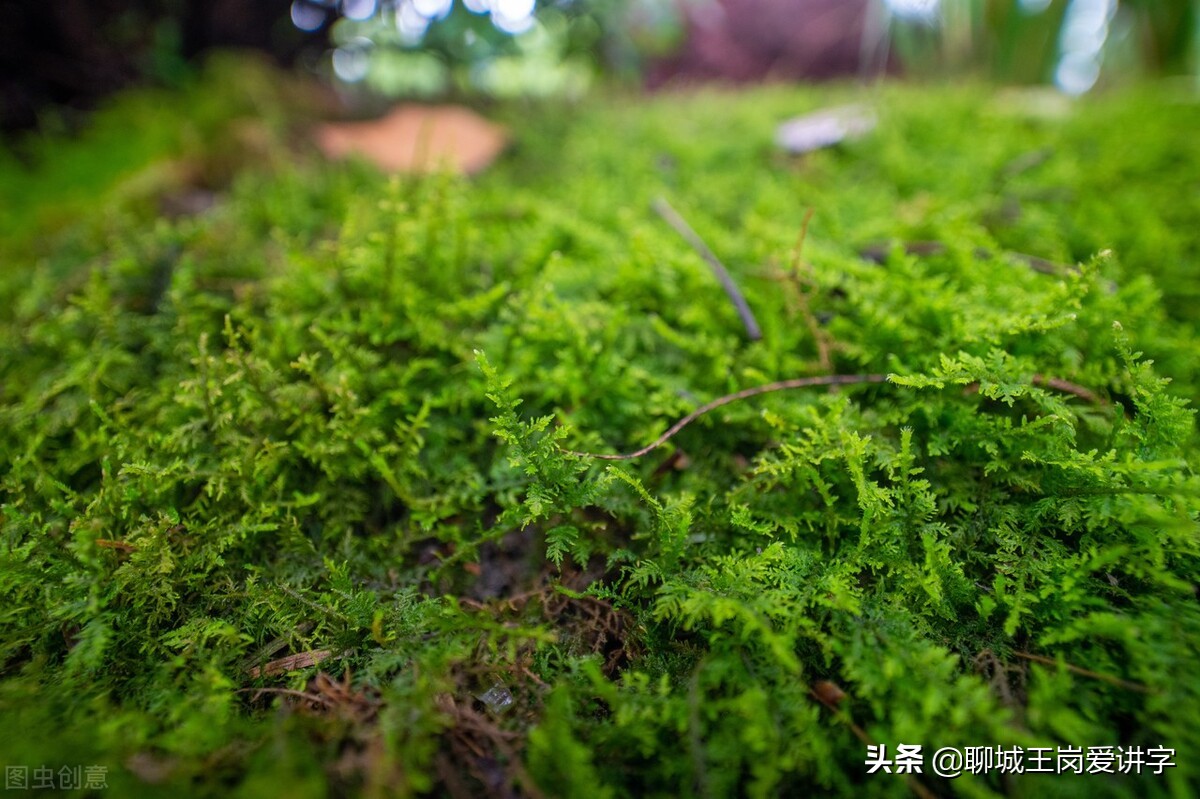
(285, 489)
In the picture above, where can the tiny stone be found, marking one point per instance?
(824, 128)
(497, 698)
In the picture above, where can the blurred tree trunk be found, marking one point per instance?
(1167, 32)
(754, 40)
(73, 52)
(1022, 47)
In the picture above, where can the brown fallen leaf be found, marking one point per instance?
(290, 663)
(828, 693)
(418, 138)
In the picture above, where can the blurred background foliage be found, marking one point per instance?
(68, 53)
(523, 47)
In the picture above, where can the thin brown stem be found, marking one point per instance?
(803, 382)
(799, 248)
(1068, 387)
(878, 253)
(782, 385)
(820, 337)
(1095, 675)
(672, 218)
(319, 700)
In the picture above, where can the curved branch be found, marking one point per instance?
(1055, 383)
(1067, 387)
(782, 385)
(672, 218)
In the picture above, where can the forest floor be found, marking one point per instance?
(303, 490)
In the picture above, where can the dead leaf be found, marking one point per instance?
(828, 692)
(290, 663)
(418, 138)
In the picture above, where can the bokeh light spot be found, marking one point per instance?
(433, 9)
(351, 62)
(307, 16)
(358, 9)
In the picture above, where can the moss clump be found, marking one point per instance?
(287, 501)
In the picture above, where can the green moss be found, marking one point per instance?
(328, 418)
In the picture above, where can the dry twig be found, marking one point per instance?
(307, 697)
(301, 660)
(878, 253)
(782, 385)
(820, 337)
(120, 546)
(672, 218)
(1095, 675)
(1055, 383)
(1067, 387)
